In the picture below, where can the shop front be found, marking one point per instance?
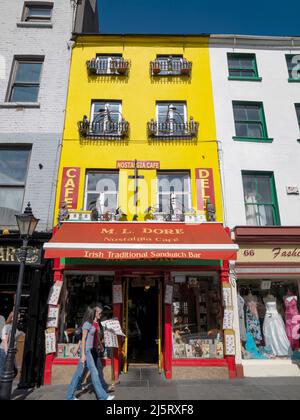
(167, 284)
(30, 355)
(268, 283)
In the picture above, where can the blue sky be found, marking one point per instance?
(262, 17)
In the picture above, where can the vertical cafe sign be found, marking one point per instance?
(205, 188)
(70, 187)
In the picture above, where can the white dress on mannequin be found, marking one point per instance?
(274, 331)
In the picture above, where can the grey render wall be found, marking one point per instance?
(42, 126)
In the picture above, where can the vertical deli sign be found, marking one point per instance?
(70, 187)
(205, 188)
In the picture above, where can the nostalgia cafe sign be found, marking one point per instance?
(10, 255)
(275, 254)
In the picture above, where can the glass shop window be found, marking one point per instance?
(197, 319)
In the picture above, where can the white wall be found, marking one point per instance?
(42, 127)
(278, 96)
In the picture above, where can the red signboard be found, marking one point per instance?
(70, 187)
(140, 164)
(132, 241)
(205, 188)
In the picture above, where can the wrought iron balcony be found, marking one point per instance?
(171, 67)
(103, 129)
(116, 67)
(173, 129)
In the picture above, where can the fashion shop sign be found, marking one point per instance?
(277, 254)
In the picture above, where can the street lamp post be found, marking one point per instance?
(27, 224)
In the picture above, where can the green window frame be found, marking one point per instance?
(242, 67)
(293, 65)
(260, 199)
(250, 122)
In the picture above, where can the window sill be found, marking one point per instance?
(245, 79)
(253, 139)
(14, 105)
(46, 25)
(294, 80)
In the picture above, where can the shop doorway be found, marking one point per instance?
(7, 302)
(142, 321)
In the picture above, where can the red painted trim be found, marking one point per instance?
(200, 362)
(231, 367)
(74, 362)
(168, 337)
(48, 369)
(117, 311)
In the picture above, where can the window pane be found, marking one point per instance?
(11, 200)
(13, 166)
(39, 11)
(254, 130)
(28, 72)
(107, 186)
(240, 113)
(241, 130)
(253, 113)
(25, 94)
(246, 63)
(170, 184)
(257, 195)
(103, 111)
(264, 189)
(298, 113)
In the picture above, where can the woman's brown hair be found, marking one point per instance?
(10, 318)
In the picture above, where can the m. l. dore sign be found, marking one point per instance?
(70, 187)
(276, 254)
(9, 255)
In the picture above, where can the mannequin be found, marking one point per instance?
(274, 329)
(253, 325)
(292, 318)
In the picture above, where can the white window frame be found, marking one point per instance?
(106, 104)
(109, 58)
(189, 193)
(167, 57)
(170, 104)
(86, 192)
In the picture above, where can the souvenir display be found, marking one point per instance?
(50, 341)
(197, 319)
(117, 294)
(55, 293)
(53, 315)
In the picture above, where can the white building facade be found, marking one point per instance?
(35, 55)
(256, 85)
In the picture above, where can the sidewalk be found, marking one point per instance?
(147, 385)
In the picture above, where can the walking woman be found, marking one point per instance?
(5, 339)
(89, 330)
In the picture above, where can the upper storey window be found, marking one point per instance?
(37, 12)
(171, 65)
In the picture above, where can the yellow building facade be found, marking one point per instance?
(138, 95)
(139, 206)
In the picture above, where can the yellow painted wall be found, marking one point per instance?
(139, 93)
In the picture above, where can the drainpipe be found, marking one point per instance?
(223, 187)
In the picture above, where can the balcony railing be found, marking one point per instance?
(173, 129)
(113, 216)
(100, 130)
(171, 67)
(116, 67)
